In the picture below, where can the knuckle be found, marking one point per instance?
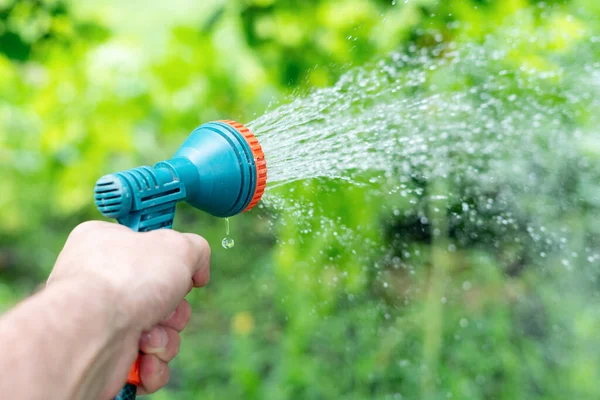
(202, 277)
(207, 251)
(201, 250)
(85, 227)
(181, 317)
(186, 311)
(175, 346)
(197, 249)
(163, 292)
(155, 377)
(169, 238)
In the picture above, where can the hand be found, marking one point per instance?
(142, 278)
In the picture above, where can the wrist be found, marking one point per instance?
(68, 339)
(107, 341)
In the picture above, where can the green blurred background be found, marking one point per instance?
(91, 87)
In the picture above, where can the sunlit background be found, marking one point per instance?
(429, 289)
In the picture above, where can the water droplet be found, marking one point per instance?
(227, 243)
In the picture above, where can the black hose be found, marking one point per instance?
(127, 393)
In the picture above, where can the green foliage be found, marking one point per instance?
(291, 315)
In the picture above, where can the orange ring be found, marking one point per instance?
(259, 161)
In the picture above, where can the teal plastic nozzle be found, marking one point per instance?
(220, 169)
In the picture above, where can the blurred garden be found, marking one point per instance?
(363, 298)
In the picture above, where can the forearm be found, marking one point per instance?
(78, 338)
(52, 342)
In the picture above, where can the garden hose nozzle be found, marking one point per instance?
(220, 169)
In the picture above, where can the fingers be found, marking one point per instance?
(201, 255)
(160, 346)
(191, 250)
(180, 317)
(162, 342)
(154, 374)
(179, 261)
(201, 277)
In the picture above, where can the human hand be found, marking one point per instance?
(141, 279)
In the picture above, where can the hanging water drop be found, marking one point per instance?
(227, 242)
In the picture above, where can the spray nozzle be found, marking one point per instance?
(220, 169)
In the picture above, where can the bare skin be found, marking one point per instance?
(111, 292)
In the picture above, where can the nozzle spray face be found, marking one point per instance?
(220, 169)
(260, 164)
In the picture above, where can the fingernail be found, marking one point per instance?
(155, 341)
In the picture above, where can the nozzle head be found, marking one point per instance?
(220, 169)
(229, 168)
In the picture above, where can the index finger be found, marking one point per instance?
(200, 267)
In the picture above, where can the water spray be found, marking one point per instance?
(220, 169)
